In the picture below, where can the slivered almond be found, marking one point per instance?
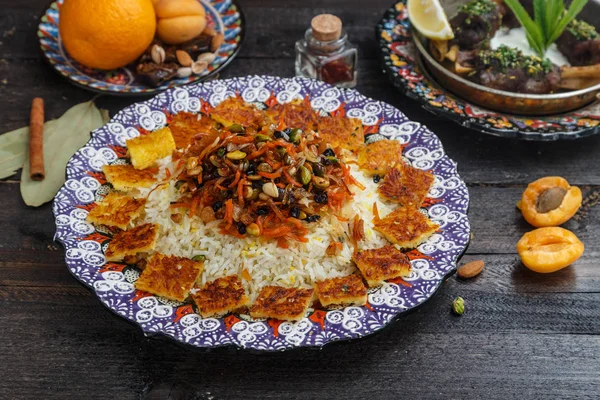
(470, 269)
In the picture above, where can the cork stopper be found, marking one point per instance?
(326, 27)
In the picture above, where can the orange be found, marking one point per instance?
(106, 34)
(179, 20)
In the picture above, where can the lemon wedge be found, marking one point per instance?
(429, 18)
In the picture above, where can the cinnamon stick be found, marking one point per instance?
(36, 140)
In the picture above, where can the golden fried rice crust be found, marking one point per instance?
(281, 303)
(379, 265)
(169, 276)
(220, 296)
(116, 210)
(346, 290)
(131, 242)
(406, 185)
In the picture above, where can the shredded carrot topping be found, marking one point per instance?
(277, 146)
(228, 213)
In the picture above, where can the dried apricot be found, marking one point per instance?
(549, 249)
(550, 201)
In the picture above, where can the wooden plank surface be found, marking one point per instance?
(523, 336)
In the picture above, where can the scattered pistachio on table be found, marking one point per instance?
(458, 306)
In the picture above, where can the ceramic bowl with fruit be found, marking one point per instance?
(140, 46)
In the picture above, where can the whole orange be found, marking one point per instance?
(106, 34)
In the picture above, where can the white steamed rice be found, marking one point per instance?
(299, 266)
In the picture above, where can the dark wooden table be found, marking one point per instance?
(523, 335)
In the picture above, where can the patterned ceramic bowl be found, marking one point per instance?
(402, 64)
(432, 262)
(224, 15)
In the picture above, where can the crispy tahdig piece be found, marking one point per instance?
(379, 157)
(347, 133)
(146, 149)
(406, 185)
(169, 276)
(234, 110)
(116, 210)
(406, 226)
(288, 304)
(136, 240)
(379, 265)
(298, 113)
(125, 177)
(346, 290)
(185, 126)
(221, 296)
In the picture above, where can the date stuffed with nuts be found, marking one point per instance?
(268, 181)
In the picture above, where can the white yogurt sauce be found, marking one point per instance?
(516, 38)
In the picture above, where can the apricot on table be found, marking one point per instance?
(549, 249)
(550, 201)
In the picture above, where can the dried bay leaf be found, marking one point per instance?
(61, 140)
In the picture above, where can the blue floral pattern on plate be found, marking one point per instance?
(115, 286)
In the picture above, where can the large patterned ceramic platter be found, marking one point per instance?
(432, 262)
(400, 60)
(224, 16)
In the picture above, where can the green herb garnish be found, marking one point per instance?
(550, 20)
(505, 58)
(582, 30)
(478, 8)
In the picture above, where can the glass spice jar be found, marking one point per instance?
(326, 54)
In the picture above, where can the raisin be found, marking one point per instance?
(295, 212)
(285, 134)
(262, 211)
(217, 206)
(376, 178)
(321, 197)
(329, 153)
(313, 218)
(241, 228)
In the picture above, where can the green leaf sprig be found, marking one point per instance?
(550, 20)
